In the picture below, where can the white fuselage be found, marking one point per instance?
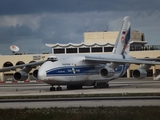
(73, 70)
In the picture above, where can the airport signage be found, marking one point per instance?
(38, 57)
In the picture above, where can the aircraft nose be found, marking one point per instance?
(41, 74)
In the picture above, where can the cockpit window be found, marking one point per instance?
(53, 59)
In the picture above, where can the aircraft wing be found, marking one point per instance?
(149, 59)
(33, 64)
(121, 61)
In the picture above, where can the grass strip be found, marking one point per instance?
(82, 113)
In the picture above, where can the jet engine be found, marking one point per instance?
(35, 74)
(20, 75)
(107, 72)
(141, 72)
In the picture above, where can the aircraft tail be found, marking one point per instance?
(122, 43)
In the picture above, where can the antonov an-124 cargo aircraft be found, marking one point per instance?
(79, 70)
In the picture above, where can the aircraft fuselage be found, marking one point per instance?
(73, 70)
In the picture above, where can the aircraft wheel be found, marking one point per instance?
(59, 88)
(73, 87)
(52, 88)
(101, 85)
(69, 87)
(107, 85)
(78, 87)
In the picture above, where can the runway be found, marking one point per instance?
(116, 86)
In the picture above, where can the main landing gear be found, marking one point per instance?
(101, 84)
(58, 88)
(74, 87)
(69, 87)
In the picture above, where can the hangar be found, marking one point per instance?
(94, 42)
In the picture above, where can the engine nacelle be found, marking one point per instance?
(20, 75)
(35, 74)
(107, 72)
(139, 73)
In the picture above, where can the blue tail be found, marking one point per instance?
(122, 43)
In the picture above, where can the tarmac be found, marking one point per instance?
(122, 85)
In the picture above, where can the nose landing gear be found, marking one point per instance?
(52, 88)
(58, 88)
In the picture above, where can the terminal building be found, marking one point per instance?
(94, 42)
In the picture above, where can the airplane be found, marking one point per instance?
(76, 71)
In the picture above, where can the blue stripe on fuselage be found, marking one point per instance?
(83, 70)
(124, 69)
(72, 70)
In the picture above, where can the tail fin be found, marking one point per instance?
(122, 42)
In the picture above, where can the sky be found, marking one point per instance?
(30, 24)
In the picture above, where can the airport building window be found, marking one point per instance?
(60, 50)
(108, 49)
(156, 47)
(20, 63)
(97, 49)
(136, 48)
(144, 48)
(7, 64)
(71, 50)
(84, 50)
(9, 74)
